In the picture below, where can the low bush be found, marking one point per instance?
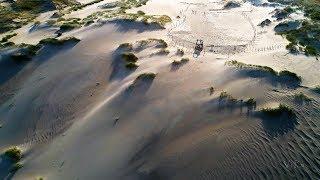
(131, 66)
(14, 154)
(130, 57)
(279, 111)
(302, 97)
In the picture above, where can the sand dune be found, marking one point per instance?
(77, 112)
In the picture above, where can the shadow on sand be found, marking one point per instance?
(6, 165)
(273, 79)
(9, 67)
(118, 69)
(131, 25)
(278, 126)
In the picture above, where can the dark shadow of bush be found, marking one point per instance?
(278, 121)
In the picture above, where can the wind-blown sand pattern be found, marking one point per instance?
(77, 111)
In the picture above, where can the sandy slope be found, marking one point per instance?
(62, 109)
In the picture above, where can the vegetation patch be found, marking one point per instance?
(14, 154)
(282, 110)
(317, 89)
(127, 46)
(131, 66)
(146, 76)
(225, 96)
(25, 53)
(7, 37)
(283, 13)
(130, 57)
(305, 37)
(180, 52)
(300, 97)
(181, 62)
(231, 4)
(21, 12)
(81, 6)
(250, 102)
(289, 74)
(54, 41)
(282, 74)
(16, 167)
(251, 66)
(264, 23)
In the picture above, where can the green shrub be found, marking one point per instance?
(182, 61)
(290, 74)
(225, 96)
(279, 111)
(302, 97)
(130, 57)
(7, 37)
(16, 167)
(131, 65)
(141, 13)
(69, 26)
(317, 89)
(250, 102)
(14, 154)
(180, 52)
(146, 76)
(251, 66)
(128, 46)
(54, 41)
(311, 51)
(292, 48)
(284, 73)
